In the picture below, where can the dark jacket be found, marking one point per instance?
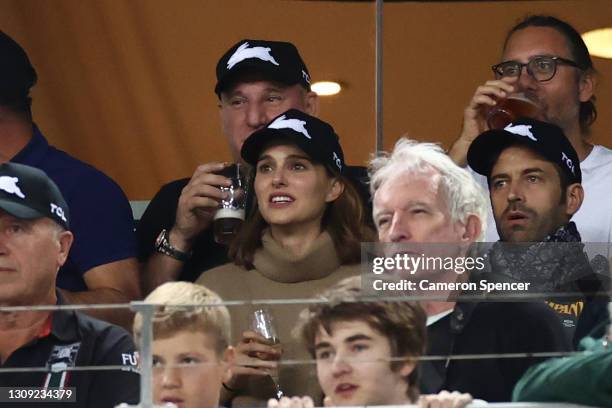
(495, 329)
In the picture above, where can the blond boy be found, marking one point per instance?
(191, 352)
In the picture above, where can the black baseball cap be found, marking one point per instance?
(277, 60)
(27, 193)
(17, 75)
(316, 138)
(545, 139)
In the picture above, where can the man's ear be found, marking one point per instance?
(574, 195)
(220, 103)
(335, 190)
(311, 103)
(586, 86)
(472, 228)
(65, 239)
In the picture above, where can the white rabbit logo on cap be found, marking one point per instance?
(521, 130)
(283, 123)
(9, 184)
(244, 52)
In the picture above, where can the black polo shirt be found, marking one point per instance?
(74, 339)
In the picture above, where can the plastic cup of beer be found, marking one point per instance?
(510, 109)
(229, 217)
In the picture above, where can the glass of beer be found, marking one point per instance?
(262, 323)
(229, 217)
(511, 108)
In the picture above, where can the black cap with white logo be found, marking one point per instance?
(277, 60)
(545, 139)
(17, 75)
(27, 192)
(316, 138)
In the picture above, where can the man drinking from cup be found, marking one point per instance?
(256, 81)
(545, 60)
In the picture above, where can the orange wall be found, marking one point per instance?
(127, 85)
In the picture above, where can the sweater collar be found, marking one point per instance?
(276, 263)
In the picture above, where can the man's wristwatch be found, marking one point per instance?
(163, 246)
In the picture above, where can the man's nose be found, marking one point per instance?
(3, 240)
(257, 116)
(398, 231)
(525, 82)
(515, 193)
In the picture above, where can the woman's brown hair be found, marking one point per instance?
(344, 220)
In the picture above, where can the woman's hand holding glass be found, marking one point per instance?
(255, 356)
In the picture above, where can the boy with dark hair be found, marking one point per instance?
(366, 352)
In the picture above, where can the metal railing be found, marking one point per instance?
(147, 311)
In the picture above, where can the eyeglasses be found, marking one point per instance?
(541, 68)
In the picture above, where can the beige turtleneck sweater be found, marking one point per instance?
(279, 275)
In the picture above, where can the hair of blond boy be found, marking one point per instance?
(402, 323)
(185, 306)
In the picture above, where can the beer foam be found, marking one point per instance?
(229, 213)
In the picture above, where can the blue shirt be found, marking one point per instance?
(100, 214)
